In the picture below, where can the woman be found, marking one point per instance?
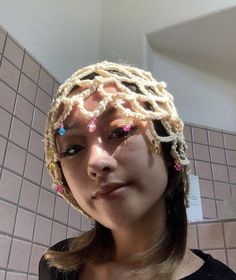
(115, 149)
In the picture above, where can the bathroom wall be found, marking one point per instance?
(32, 216)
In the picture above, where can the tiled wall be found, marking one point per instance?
(33, 217)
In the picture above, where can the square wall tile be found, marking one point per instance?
(209, 208)
(61, 210)
(222, 190)
(220, 209)
(37, 252)
(2, 274)
(24, 224)
(7, 97)
(5, 243)
(19, 133)
(36, 145)
(55, 87)
(230, 141)
(3, 144)
(7, 217)
(33, 169)
(230, 236)
(192, 237)
(201, 152)
(32, 277)
(46, 81)
(231, 157)
(210, 236)
(29, 195)
(16, 276)
(74, 218)
(15, 158)
(24, 110)
(5, 118)
(39, 121)
(189, 150)
(17, 262)
(43, 101)
(46, 203)
(220, 173)
(232, 259)
(2, 40)
(31, 68)
(10, 185)
(203, 170)
(218, 155)
(9, 74)
(13, 52)
(72, 233)
(217, 254)
(232, 175)
(199, 135)
(27, 88)
(187, 133)
(46, 180)
(192, 167)
(86, 224)
(42, 231)
(58, 233)
(215, 138)
(206, 188)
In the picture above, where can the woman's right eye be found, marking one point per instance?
(71, 150)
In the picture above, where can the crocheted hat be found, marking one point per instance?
(135, 86)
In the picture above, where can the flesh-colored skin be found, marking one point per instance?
(140, 209)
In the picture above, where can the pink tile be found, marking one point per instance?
(19, 248)
(33, 169)
(36, 145)
(232, 174)
(232, 259)
(7, 97)
(10, 186)
(217, 155)
(24, 110)
(46, 203)
(74, 218)
(9, 74)
(42, 232)
(61, 210)
(5, 243)
(220, 172)
(199, 135)
(206, 188)
(187, 133)
(230, 141)
(24, 224)
(39, 121)
(192, 237)
(222, 190)
(201, 152)
(217, 254)
(2, 40)
(231, 157)
(43, 101)
(215, 138)
(13, 52)
(230, 236)
(37, 252)
(203, 170)
(211, 236)
(31, 68)
(29, 195)
(19, 133)
(209, 208)
(15, 158)
(3, 144)
(46, 81)
(27, 88)
(58, 233)
(7, 217)
(189, 150)
(5, 118)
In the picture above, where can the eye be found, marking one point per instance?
(119, 132)
(71, 150)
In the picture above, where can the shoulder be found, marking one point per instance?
(45, 272)
(211, 269)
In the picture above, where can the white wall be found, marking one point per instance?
(202, 96)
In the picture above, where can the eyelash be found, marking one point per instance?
(118, 132)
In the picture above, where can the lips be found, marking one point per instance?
(107, 188)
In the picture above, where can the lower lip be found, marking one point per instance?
(113, 194)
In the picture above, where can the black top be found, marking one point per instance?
(212, 269)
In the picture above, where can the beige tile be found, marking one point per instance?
(58, 233)
(74, 218)
(230, 234)
(46, 203)
(187, 133)
(37, 252)
(203, 170)
(217, 254)
(5, 118)
(232, 259)
(55, 87)
(7, 217)
(220, 173)
(231, 157)
(31, 68)
(24, 224)
(192, 237)
(43, 101)
(2, 275)
(209, 208)
(5, 243)
(61, 210)
(215, 138)
(210, 236)
(27, 88)
(192, 167)
(9, 74)
(206, 188)
(230, 141)
(39, 121)
(189, 150)
(2, 40)
(33, 169)
(220, 209)
(13, 52)
(233, 189)
(46, 81)
(46, 180)
(201, 152)
(42, 231)
(232, 174)
(86, 224)
(72, 232)
(217, 155)
(29, 195)
(19, 133)
(199, 135)
(222, 190)
(36, 146)
(24, 110)
(7, 97)
(16, 276)
(3, 144)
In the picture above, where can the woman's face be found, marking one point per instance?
(107, 156)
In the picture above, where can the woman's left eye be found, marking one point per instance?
(120, 132)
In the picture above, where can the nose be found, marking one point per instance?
(100, 162)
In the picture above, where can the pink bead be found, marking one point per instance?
(60, 188)
(127, 127)
(178, 166)
(92, 125)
